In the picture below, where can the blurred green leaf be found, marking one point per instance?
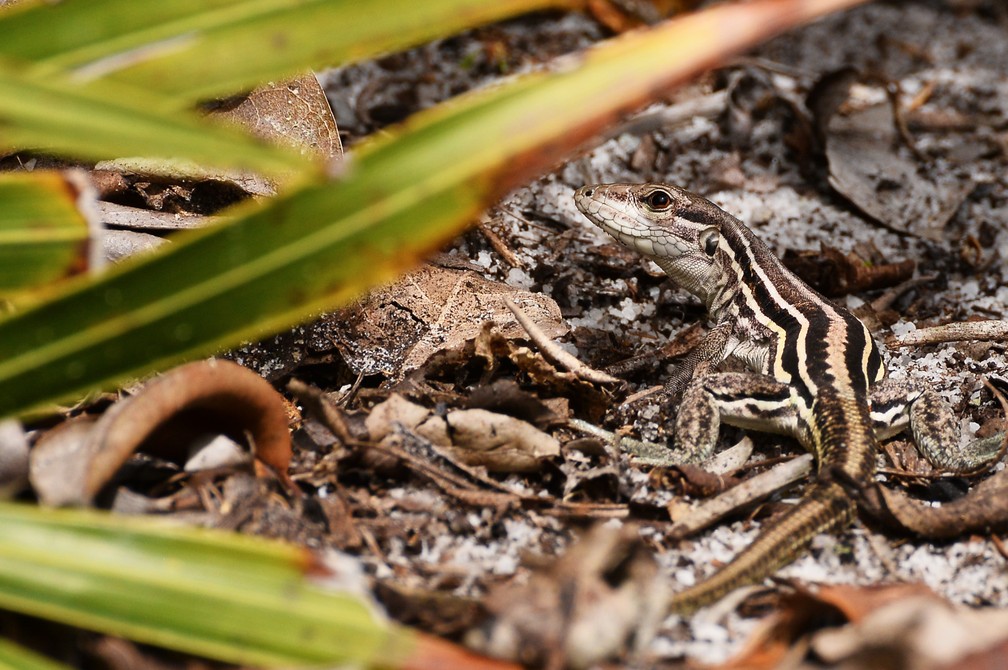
(234, 598)
(43, 237)
(320, 246)
(106, 120)
(16, 657)
(196, 49)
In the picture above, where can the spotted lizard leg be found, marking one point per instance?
(898, 405)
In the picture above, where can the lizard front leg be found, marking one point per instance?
(709, 353)
(898, 405)
(742, 399)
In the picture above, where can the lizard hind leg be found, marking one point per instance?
(935, 429)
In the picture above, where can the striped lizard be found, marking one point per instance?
(817, 374)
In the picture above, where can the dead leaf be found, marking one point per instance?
(497, 442)
(73, 462)
(396, 329)
(585, 607)
(382, 419)
(835, 273)
(868, 167)
(921, 631)
(473, 437)
(506, 397)
(293, 112)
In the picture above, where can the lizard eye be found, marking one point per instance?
(709, 240)
(658, 200)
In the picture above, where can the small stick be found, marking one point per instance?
(886, 300)
(554, 353)
(498, 244)
(994, 329)
(753, 489)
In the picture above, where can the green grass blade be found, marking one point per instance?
(196, 50)
(15, 657)
(229, 597)
(43, 236)
(322, 245)
(106, 120)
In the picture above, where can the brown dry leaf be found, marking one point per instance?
(73, 462)
(396, 410)
(805, 612)
(437, 612)
(473, 437)
(584, 397)
(585, 607)
(867, 167)
(984, 509)
(396, 329)
(895, 626)
(497, 442)
(294, 113)
(921, 632)
(835, 273)
(506, 397)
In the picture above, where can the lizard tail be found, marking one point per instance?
(825, 508)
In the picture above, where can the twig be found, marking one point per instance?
(498, 244)
(643, 452)
(995, 329)
(640, 395)
(885, 301)
(554, 353)
(753, 489)
(1000, 546)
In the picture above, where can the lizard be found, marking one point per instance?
(816, 373)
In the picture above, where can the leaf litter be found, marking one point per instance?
(469, 528)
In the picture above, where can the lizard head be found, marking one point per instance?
(678, 230)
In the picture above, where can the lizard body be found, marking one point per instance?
(817, 374)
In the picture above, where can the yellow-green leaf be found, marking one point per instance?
(43, 236)
(107, 120)
(199, 49)
(234, 598)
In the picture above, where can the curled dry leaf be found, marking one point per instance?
(74, 461)
(584, 398)
(584, 607)
(384, 416)
(497, 442)
(506, 397)
(812, 616)
(835, 273)
(294, 112)
(474, 437)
